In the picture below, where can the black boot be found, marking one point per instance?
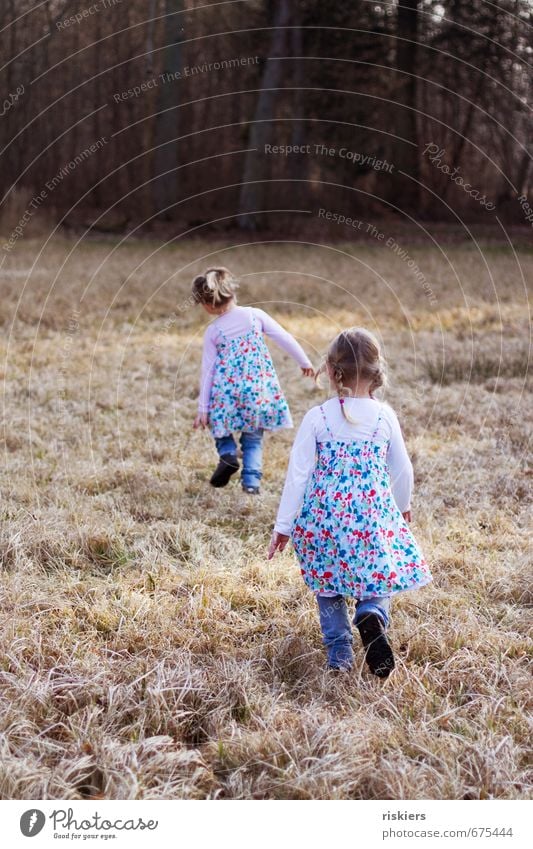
(378, 654)
(227, 466)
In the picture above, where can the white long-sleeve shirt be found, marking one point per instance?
(365, 412)
(236, 322)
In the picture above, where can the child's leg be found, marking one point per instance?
(252, 458)
(228, 463)
(336, 630)
(226, 445)
(380, 606)
(372, 619)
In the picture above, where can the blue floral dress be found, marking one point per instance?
(350, 537)
(245, 394)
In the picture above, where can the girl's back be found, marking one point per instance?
(370, 420)
(236, 322)
(239, 382)
(357, 422)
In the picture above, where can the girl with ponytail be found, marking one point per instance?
(347, 503)
(239, 388)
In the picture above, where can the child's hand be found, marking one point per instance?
(407, 515)
(308, 372)
(200, 421)
(277, 543)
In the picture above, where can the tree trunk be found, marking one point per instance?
(165, 182)
(522, 177)
(476, 99)
(149, 45)
(407, 153)
(253, 190)
(299, 166)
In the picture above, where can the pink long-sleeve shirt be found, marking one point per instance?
(236, 322)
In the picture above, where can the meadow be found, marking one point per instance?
(148, 649)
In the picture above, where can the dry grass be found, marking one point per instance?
(148, 648)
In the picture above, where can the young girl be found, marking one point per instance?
(346, 504)
(239, 388)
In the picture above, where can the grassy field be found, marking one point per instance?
(148, 648)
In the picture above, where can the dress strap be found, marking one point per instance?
(254, 328)
(220, 331)
(377, 423)
(326, 421)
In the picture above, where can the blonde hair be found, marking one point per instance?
(354, 356)
(216, 286)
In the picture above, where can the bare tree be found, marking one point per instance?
(166, 128)
(407, 154)
(253, 191)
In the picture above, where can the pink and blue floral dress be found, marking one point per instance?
(350, 537)
(245, 394)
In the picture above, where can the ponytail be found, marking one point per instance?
(216, 286)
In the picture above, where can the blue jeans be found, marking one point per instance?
(337, 628)
(252, 454)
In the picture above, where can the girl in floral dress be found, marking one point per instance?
(239, 387)
(346, 505)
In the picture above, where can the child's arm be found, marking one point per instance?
(209, 355)
(301, 465)
(285, 341)
(400, 468)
